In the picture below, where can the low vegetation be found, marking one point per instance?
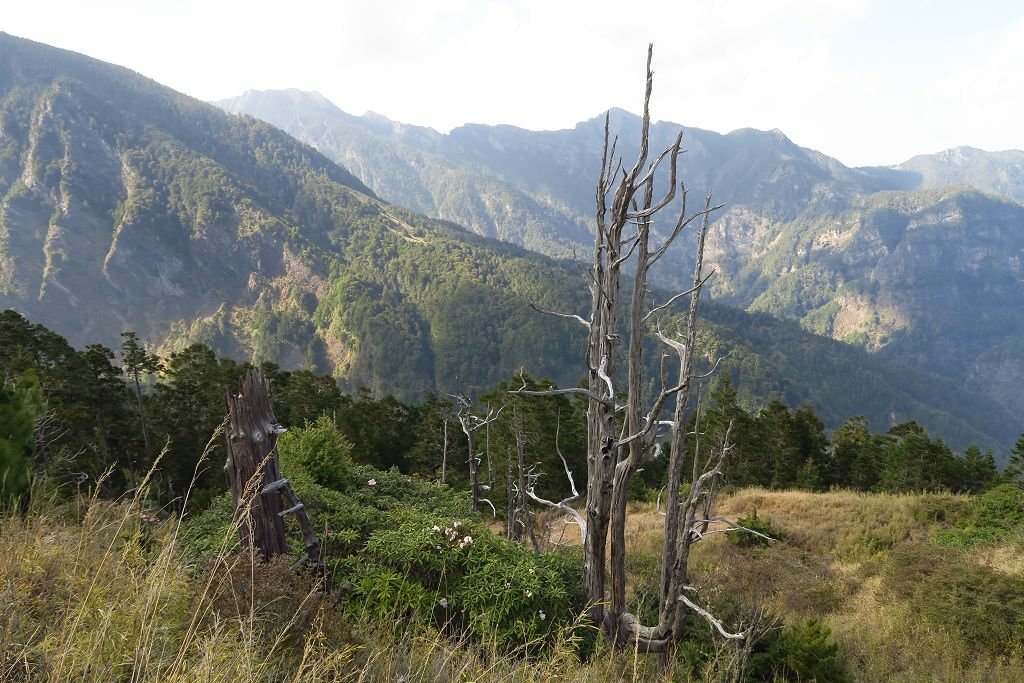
(98, 590)
(132, 576)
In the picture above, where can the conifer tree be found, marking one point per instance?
(138, 363)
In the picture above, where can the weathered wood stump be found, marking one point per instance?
(254, 474)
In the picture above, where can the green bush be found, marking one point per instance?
(993, 516)
(761, 525)
(800, 652)
(976, 605)
(477, 583)
(409, 551)
(940, 508)
(1002, 507)
(321, 451)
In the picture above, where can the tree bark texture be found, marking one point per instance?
(258, 489)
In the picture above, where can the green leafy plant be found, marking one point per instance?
(762, 525)
(993, 516)
(480, 584)
(321, 451)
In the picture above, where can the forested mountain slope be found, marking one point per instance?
(535, 188)
(127, 206)
(895, 260)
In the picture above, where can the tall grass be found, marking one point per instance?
(102, 591)
(94, 590)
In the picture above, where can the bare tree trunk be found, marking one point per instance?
(510, 497)
(254, 474)
(470, 425)
(142, 418)
(519, 510)
(474, 468)
(618, 447)
(487, 452)
(444, 451)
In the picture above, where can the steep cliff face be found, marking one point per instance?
(100, 219)
(932, 278)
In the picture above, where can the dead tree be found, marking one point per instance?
(444, 447)
(621, 434)
(259, 491)
(471, 424)
(520, 520)
(565, 505)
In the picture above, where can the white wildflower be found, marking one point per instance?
(542, 615)
(443, 602)
(371, 482)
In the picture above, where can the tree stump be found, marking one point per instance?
(254, 474)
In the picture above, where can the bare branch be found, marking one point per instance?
(641, 638)
(649, 176)
(625, 257)
(565, 507)
(684, 221)
(650, 209)
(733, 526)
(562, 392)
(712, 620)
(673, 150)
(568, 316)
(678, 296)
(714, 368)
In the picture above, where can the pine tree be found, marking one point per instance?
(16, 441)
(137, 363)
(1015, 467)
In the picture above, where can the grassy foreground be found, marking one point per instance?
(912, 587)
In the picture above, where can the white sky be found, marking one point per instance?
(869, 82)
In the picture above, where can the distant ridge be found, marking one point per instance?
(912, 261)
(127, 206)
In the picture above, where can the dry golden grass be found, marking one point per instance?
(94, 591)
(826, 569)
(1006, 559)
(841, 524)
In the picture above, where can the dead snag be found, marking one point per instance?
(625, 429)
(259, 490)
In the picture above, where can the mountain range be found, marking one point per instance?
(922, 262)
(127, 206)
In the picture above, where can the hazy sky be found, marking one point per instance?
(869, 82)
